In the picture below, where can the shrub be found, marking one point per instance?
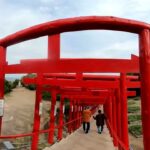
(136, 130)
(133, 109)
(8, 87)
(131, 102)
(58, 97)
(46, 96)
(31, 86)
(133, 118)
(15, 83)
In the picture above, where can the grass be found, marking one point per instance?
(136, 130)
(133, 118)
(133, 109)
(130, 102)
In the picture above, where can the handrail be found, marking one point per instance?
(65, 124)
(15, 136)
(31, 134)
(43, 131)
(56, 127)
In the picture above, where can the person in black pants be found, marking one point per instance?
(86, 126)
(100, 121)
(86, 119)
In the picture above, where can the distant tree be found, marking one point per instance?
(46, 96)
(15, 83)
(8, 87)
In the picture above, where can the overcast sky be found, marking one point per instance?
(16, 15)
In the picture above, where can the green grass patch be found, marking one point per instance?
(131, 102)
(133, 109)
(136, 130)
(133, 118)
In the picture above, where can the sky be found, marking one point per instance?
(16, 15)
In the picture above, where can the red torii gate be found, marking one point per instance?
(54, 64)
(102, 84)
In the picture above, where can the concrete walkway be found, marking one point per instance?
(81, 141)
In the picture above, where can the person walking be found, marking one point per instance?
(86, 119)
(100, 121)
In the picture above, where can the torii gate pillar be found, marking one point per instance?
(52, 117)
(118, 110)
(61, 119)
(145, 85)
(70, 117)
(114, 115)
(124, 117)
(2, 77)
(36, 125)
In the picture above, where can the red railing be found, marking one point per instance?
(113, 133)
(39, 132)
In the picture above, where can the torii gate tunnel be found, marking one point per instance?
(82, 87)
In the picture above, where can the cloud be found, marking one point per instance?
(16, 15)
(99, 44)
(33, 49)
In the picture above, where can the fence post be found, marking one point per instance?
(110, 110)
(52, 117)
(117, 93)
(114, 118)
(70, 117)
(61, 118)
(36, 125)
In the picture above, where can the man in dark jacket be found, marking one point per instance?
(100, 121)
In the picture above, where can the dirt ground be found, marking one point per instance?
(18, 111)
(136, 143)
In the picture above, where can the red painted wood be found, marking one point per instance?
(61, 118)
(54, 47)
(75, 24)
(114, 117)
(124, 117)
(2, 77)
(52, 117)
(79, 66)
(70, 117)
(118, 114)
(36, 125)
(109, 105)
(145, 85)
(75, 65)
(90, 76)
(131, 93)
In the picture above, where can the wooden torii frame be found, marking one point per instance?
(56, 65)
(62, 81)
